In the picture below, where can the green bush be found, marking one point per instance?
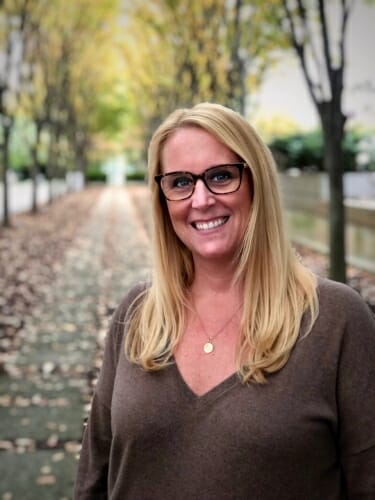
(94, 173)
(135, 175)
(305, 151)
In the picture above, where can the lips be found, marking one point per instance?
(211, 224)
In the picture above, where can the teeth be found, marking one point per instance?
(211, 224)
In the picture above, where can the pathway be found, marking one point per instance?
(45, 390)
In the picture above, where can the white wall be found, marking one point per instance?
(20, 193)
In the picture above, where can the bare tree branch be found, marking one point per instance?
(300, 50)
(346, 7)
(309, 38)
(326, 49)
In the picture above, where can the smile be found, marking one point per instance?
(212, 224)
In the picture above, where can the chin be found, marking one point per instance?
(214, 254)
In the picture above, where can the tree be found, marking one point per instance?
(179, 53)
(13, 16)
(321, 52)
(72, 60)
(93, 74)
(32, 93)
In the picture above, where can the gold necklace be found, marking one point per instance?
(209, 346)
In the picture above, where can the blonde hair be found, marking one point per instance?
(278, 289)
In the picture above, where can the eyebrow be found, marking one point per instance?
(227, 164)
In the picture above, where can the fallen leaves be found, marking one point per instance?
(6, 445)
(60, 269)
(46, 479)
(36, 400)
(362, 281)
(31, 253)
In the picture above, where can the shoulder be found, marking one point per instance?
(343, 310)
(335, 296)
(328, 288)
(124, 311)
(129, 301)
(342, 339)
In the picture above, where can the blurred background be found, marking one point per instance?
(83, 85)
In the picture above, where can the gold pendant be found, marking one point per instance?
(208, 347)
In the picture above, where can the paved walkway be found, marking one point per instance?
(45, 392)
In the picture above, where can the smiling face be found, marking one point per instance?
(211, 226)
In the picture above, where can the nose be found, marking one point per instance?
(201, 196)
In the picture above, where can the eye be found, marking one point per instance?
(181, 181)
(221, 175)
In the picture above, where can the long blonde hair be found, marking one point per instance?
(278, 289)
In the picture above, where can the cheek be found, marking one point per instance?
(248, 186)
(247, 198)
(178, 224)
(176, 213)
(245, 208)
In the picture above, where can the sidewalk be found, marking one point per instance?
(45, 390)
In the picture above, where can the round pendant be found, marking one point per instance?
(208, 347)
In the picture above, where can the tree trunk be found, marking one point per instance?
(333, 132)
(5, 148)
(34, 185)
(35, 168)
(237, 75)
(50, 168)
(50, 191)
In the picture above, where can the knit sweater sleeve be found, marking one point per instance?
(92, 474)
(356, 399)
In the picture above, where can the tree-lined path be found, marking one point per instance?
(45, 384)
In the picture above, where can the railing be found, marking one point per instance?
(305, 200)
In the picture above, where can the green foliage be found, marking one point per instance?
(19, 147)
(94, 173)
(366, 151)
(305, 150)
(136, 175)
(298, 150)
(72, 89)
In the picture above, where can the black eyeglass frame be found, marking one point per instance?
(240, 165)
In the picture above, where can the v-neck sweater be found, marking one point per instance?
(308, 433)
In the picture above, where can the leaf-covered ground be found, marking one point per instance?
(31, 254)
(64, 271)
(362, 281)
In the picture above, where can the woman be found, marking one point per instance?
(237, 373)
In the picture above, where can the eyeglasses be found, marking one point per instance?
(219, 179)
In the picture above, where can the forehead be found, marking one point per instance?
(193, 148)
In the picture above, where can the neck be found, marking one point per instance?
(211, 293)
(212, 278)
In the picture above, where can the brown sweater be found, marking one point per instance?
(309, 433)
